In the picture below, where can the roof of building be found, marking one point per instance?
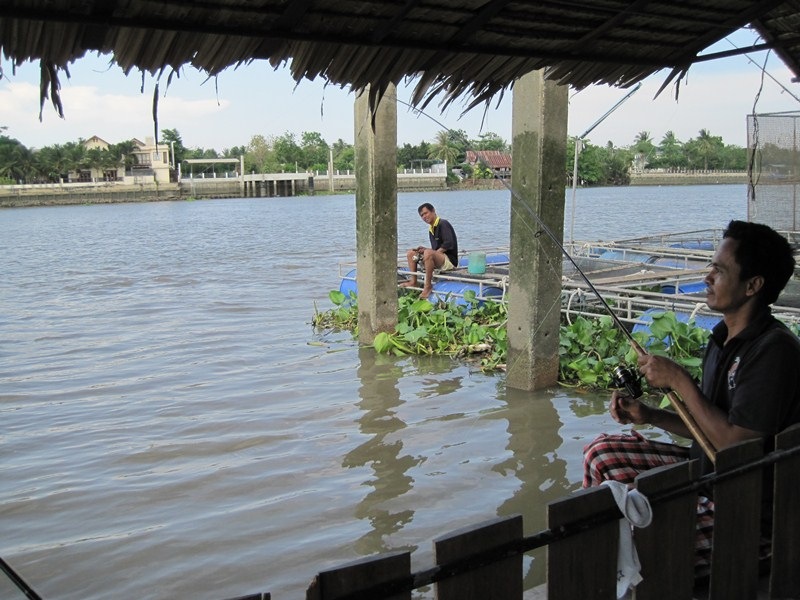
(454, 47)
(494, 159)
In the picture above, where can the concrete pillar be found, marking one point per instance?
(539, 131)
(376, 214)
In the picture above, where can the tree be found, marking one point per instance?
(444, 148)
(288, 153)
(490, 141)
(258, 155)
(706, 149)
(15, 160)
(173, 140)
(671, 153)
(315, 151)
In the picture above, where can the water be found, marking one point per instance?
(172, 427)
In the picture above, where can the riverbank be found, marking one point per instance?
(17, 196)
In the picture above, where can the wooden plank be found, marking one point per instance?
(362, 575)
(666, 547)
(737, 510)
(785, 572)
(499, 580)
(583, 565)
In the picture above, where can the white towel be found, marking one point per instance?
(636, 509)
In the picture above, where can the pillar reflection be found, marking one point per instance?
(534, 443)
(379, 398)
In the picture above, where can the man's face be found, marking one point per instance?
(427, 215)
(725, 291)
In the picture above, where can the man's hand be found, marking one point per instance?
(660, 372)
(626, 410)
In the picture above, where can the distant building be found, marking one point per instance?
(151, 160)
(498, 162)
(150, 163)
(99, 172)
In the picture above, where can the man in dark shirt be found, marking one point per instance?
(442, 255)
(750, 386)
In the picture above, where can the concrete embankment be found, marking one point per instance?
(109, 193)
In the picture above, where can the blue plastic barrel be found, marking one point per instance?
(349, 284)
(454, 291)
(497, 259)
(491, 259)
(690, 287)
(707, 322)
(694, 245)
(625, 256)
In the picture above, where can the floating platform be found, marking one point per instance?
(636, 277)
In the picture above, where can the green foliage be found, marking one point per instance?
(589, 349)
(682, 342)
(426, 327)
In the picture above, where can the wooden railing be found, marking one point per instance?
(486, 561)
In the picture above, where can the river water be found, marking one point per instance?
(172, 426)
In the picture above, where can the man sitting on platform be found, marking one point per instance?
(750, 385)
(442, 255)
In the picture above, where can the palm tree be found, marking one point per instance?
(706, 146)
(671, 149)
(444, 149)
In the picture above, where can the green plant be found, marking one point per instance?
(589, 349)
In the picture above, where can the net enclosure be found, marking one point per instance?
(773, 144)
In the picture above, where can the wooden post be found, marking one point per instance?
(376, 214)
(534, 308)
(785, 574)
(666, 546)
(583, 565)
(502, 579)
(737, 510)
(361, 576)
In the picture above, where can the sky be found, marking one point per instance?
(256, 99)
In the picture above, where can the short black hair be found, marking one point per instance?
(762, 251)
(427, 205)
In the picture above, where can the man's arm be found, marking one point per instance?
(448, 237)
(664, 373)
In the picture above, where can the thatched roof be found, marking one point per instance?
(476, 47)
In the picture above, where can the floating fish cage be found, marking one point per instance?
(635, 277)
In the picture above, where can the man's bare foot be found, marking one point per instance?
(408, 284)
(426, 291)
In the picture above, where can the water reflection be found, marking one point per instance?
(379, 398)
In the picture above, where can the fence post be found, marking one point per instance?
(501, 580)
(784, 574)
(583, 565)
(666, 546)
(362, 575)
(737, 525)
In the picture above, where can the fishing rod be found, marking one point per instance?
(622, 377)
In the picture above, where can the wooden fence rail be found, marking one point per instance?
(485, 561)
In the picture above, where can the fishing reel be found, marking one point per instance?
(628, 379)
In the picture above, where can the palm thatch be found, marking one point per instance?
(475, 48)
